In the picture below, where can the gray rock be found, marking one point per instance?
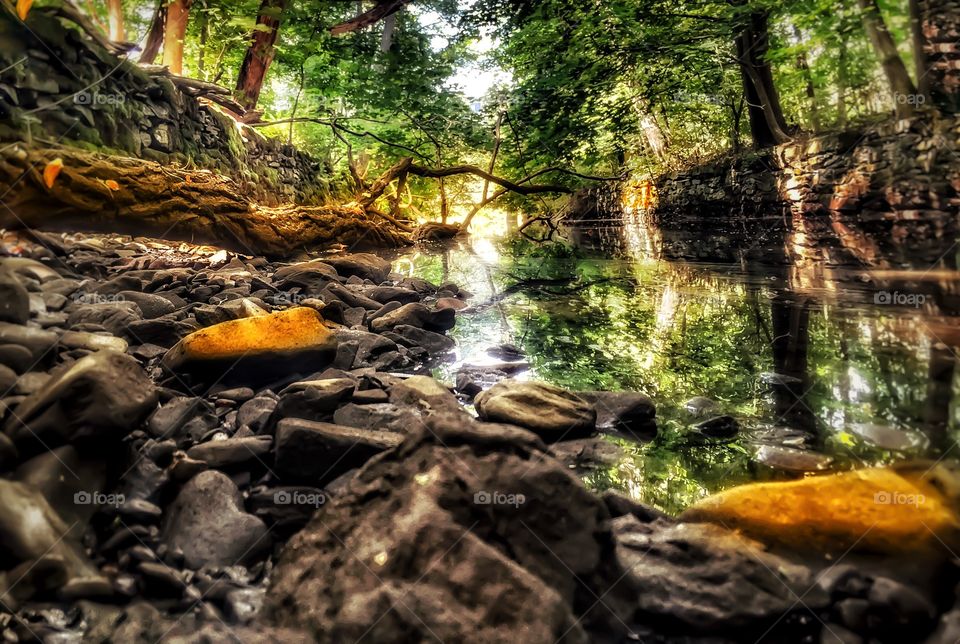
(424, 392)
(436, 344)
(417, 315)
(312, 398)
(37, 341)
(151, 305)
(207, 523)
(458, 495)
(314, 453)
(16, 357)
(363, 265)
(257, 412)
(792, 460)
(623, 411)
(183, 416)
(551, 412)
(718, 427)
(67, 481)
(232, 452)
(380, 416)
(14, 300)
(706, 578)
(115, 317)
(103, 394)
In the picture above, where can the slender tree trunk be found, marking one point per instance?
(204, 36)
(804, 68)
(178, 14)
(259, 54)
(115, 19)
(920, 61)
(386, 38)
(151, 44)
(842, 83)
(904, 91)
(767, 123)
(444, 205)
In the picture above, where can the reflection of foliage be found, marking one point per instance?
(675, 332)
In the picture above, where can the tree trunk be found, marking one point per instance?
(260, 53)
(842, 83)
(115, 19)
(151, 44)
(804, 68)
(204, 36)
(767, 123)
(903, 89)
(920, 60)
(178, 14)
(172, 203)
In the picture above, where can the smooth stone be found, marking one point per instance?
(384, 294)
(257, 412)
(451, 303)
(313, 453)
(140, 511)
(67, 481)
(151, 305)
(550, 412)
(701, 406)
(31, 382)
(232, 451)
(792, 460)
(208, 524)
(417, 315)
(423, 391)
(435, 343)
(115, 317)
(16, 357)
(238, 395)
(506, 352)
(284, 341)
(881, 510)
(38, 341)
(311, 398)
(103, 394)
(362, 265)
(14, 300)
(369, 397)
(718, 427)
(8, 379)
(183, 416)
(623, 411)
(92, 341)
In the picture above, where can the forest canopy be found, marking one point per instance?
(520, 88)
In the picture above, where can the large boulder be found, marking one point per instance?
(207, 522)
(362, 265)
(102, 394)
(258, 347)
(553, 413)
(902, 510)
(417, 315)
(466, 532)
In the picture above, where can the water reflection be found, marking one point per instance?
(818, 366)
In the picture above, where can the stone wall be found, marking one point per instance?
(895, 183)
(59, 88)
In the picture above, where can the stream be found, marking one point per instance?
(821, 373)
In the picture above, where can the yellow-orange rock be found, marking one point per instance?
(903, 510)
(286, 340)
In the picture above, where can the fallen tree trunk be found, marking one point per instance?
(133, 196)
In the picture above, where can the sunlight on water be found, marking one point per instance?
(820, 373)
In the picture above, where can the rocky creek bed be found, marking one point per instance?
(200, 446)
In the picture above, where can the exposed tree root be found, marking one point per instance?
(99, 192)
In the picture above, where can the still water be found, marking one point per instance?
(824, 365)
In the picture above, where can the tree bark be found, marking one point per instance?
(178, 14)
(154, 39)
(903, 89)
(172, 203)
(920, 60)
(767, 123)
(115, 20)
(260, 53)
(382, 9)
